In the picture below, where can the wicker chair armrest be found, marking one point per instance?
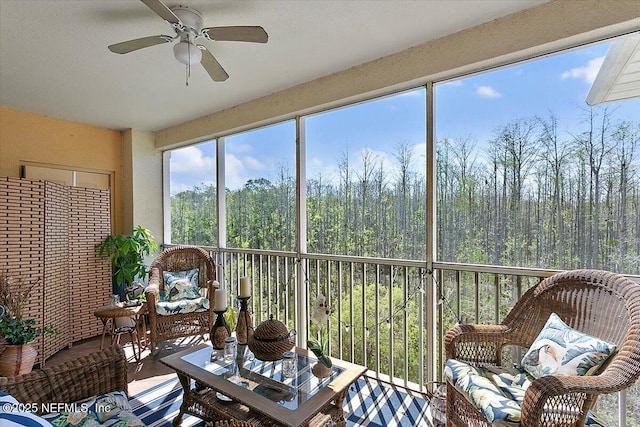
(561, 396)
(154, 281)
(28, 388)
(152, 291)
(80, 379)
(477, 343)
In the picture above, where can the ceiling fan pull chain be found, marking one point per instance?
(189, 63)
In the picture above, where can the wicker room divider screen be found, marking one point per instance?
(48, 234)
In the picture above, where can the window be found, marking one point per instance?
(192, 181)
(261, 188)
(366, 178)
(530, 175)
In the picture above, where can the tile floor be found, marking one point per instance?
(147, 373)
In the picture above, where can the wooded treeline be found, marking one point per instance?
(532, 196)
(538, 197)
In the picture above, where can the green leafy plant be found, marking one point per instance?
(19, 331)
(127, 253)
(230, 318)
(320, 317)
(15, 329)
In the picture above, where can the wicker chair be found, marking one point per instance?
(602, 304)
(180, 258)
(100, 372)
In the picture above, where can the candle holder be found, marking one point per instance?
(220, 330)
(244, 326)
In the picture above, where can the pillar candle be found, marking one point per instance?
(220, 300)
(245, 287)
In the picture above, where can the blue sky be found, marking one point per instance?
(471, 107)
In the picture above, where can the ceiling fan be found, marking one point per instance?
(187, 24)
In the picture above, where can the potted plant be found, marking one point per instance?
(18, 332)
(127, 253)
(320, 347)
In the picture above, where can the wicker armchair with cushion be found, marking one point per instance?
(90, 390)
(180, 294)
(580, 335)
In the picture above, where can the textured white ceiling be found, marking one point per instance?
(54, 58)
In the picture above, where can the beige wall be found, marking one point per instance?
(142, 174)
(27, 137)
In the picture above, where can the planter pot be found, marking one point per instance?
(17, 359)
(321, 371)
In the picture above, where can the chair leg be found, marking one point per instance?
(136, 354)
(104, 331)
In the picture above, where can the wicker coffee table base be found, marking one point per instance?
(203, 403)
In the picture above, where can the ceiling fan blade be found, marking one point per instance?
(255, 34)
(131, 45)
(213, 67)
(162, 10)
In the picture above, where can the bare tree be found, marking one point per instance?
(555, 154)
(595, 146)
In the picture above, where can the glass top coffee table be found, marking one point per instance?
(248, 389)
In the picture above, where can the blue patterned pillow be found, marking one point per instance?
(181, 285)
(561, 350)
(512, 384)
(483, 393)
(496, 391)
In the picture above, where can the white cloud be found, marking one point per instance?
(315, 163)
(234, 172)
(254, 164)
(587, 73)
(419, 154)
(189, 160)
(488, 92)
(317, 169)
(239, 170)
(240, 148)
(190, 168)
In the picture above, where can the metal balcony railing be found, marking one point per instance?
(388, 314)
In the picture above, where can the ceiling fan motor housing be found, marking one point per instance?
(186, 51)
(191, 18)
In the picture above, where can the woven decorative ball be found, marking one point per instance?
(270, 339)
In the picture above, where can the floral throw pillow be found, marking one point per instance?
(110, 405)
(181, 285)
(562, 350)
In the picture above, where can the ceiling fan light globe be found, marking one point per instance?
(187, 53)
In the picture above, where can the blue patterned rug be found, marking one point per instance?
(369, 403)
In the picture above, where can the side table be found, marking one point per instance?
(108, 314)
